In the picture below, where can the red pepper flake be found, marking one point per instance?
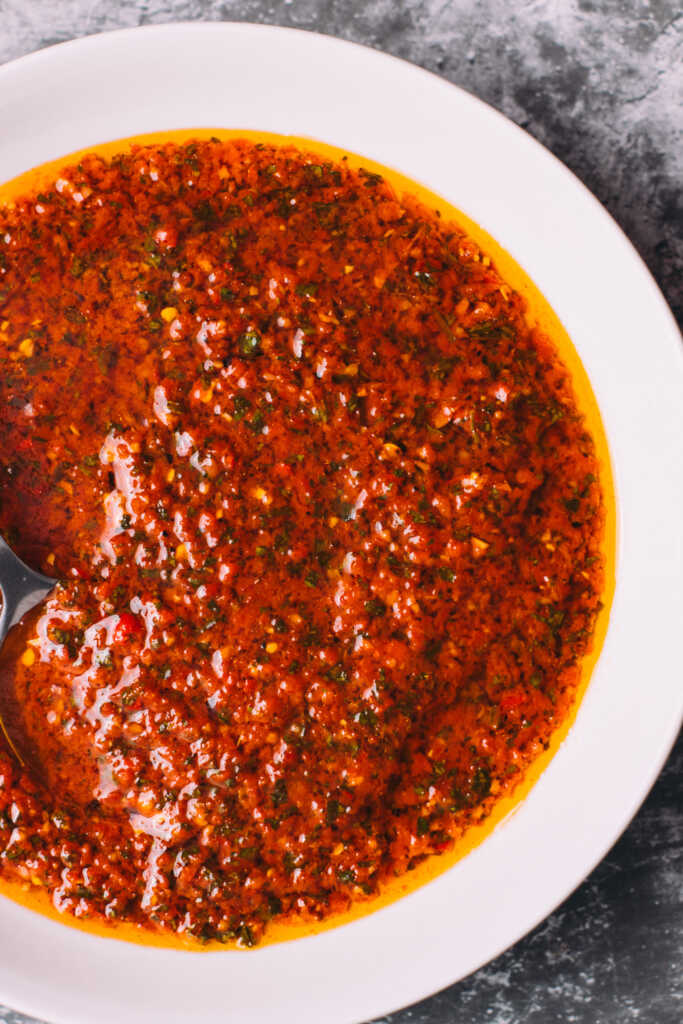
(127, 627)
(512, 700)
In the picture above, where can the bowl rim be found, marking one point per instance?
(659, 734)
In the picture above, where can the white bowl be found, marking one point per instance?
(245, 76)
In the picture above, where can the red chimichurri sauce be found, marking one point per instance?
(327, 524)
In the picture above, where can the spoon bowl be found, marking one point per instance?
(22, 589)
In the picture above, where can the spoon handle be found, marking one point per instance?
(21, 588)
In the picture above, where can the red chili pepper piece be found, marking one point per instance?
(512, 700)
(128, 626)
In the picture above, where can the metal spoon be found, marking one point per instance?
(22, 589)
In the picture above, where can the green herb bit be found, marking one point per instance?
(375, 608)
(308, 288)
(250, 343)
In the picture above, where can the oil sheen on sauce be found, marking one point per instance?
(329, 501)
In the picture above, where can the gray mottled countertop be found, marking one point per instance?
(600, 82)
